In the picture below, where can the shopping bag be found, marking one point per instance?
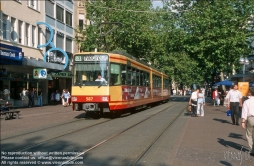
(229, 113)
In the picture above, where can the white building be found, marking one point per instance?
(20, 36)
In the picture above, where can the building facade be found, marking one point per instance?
(22, 36)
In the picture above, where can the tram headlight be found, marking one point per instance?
(104, 98)
(73, 98)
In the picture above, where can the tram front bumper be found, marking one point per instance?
(90, 107)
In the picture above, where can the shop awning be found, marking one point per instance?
(41, 64)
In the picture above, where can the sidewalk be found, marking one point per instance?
(211, 140)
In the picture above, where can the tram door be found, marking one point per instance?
(128, 82)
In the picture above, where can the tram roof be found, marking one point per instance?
(134, 58)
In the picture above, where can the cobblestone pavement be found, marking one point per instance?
(211, 140)
(208, 140)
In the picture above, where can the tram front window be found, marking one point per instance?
(91, 74)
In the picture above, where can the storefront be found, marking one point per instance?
(10, 56)
(60, 81)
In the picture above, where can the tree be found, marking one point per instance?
(216, 31)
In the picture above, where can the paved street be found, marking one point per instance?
(208, 140)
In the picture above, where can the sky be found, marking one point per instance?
(157, 3)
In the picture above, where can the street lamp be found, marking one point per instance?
(244, 61)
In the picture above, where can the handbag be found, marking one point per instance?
(229, 112)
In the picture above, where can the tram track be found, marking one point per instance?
(155, 140)
(117, 134)
(31, 132)
(59, 136)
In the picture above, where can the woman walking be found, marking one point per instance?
(201, 103)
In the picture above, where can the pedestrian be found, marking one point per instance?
(200, 103)
(24, 93)
(62, 96)
(39, 98)
(193, 102)
(234, 102)
(31, 98)
(66, 96)
(216, 97)
(6, 93)
(248, 120)
(57, 97)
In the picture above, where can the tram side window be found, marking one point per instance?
(154, 81)
(166, 84)
(142, 81)
(123, 75)
(159, 82)
(138, 77)
(129, 75)
(115, 74)
(147, 79)
(134, 77)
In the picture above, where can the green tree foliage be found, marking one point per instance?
(216, 31)
(132, 34)
(186, 39)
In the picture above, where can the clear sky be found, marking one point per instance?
(157, 3)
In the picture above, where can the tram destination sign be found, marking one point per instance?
(91, 57)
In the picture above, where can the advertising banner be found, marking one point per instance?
(40, 73)
(243, 87)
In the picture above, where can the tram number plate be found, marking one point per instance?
(89, 98)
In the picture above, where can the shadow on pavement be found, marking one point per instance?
(221, 120)
(237, 136)
(225, 163)
(232, 145)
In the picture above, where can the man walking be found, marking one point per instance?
(248, 120)
(234, 100)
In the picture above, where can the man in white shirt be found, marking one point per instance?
(248, 120)
(6, 93)
(100, 78)
(234, 102)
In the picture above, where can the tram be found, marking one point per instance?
(113, 82)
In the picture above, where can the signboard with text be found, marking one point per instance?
(40, 73)
(62, 74)
(243, 87)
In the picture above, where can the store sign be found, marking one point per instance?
(243, 87)
(62, 74)
(40, 73)
(11, 52)
(49, 42)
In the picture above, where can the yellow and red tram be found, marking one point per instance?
(126, 82)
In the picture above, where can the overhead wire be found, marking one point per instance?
(135, 11)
